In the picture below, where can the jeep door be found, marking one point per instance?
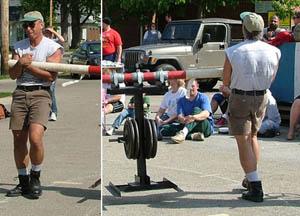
(211, 47)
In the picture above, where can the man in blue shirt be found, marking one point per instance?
(194, 114)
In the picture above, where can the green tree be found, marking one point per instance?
(143, 9)
(80, 11)
(42, 6)
(285, 8)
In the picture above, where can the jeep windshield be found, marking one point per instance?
(180, 32)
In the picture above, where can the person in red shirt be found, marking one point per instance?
(111, 42)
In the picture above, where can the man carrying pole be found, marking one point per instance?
(31, 102)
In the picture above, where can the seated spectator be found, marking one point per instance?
(112, 103)
(294, 118)
(129, 112)
(271, 122)
(152, 35)
(220, 100)
(194, 114)
(167, 112)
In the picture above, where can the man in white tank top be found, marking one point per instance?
(31, 102)
(249, 69)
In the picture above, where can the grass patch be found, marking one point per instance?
(4, 77)
(5, 94)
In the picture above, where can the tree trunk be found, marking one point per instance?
(76, 28)
(64, 24)
(4, 36)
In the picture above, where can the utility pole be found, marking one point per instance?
(4, 36)
(51, 13)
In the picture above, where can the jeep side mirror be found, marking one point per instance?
(206, 38)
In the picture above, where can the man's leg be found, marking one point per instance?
(121, 117)
(246, 153)
(294, 119)
(248, 160)
(255, 146)
(198, 126)
(53, 104)
(36, 133)
(170, 129)
(21, 159)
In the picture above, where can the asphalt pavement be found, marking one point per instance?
(208, 173)
(72, 156)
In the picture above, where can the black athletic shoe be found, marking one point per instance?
(255, 193)
(22, 188)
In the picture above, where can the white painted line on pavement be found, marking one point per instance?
(220, 215)
(188, 171)
(67, 182)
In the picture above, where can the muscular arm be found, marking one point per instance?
(227, 71)
(17, 70)
(44, 74)
(114, 98)
(119, 53)
(201, 116)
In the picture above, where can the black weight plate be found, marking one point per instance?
(154, 135)
(136, 151)
(148, 139)
(129, 137)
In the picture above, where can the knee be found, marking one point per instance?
(35, 140)
(197, 110)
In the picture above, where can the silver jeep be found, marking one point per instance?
(190, 45)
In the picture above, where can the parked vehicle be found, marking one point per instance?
(88, 53)
(188, 45)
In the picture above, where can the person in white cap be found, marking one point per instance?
(249, 69)
(31, 102)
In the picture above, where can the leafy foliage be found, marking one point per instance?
(143, 9)
(285, 8)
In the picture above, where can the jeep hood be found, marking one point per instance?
(163, 48)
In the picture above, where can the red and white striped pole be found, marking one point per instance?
(67, 68)
(161, 75)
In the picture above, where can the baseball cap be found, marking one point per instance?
(107, 20)
(32, 16)
(252, 21)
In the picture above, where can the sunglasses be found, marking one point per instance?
(28, 24)
(296, 17)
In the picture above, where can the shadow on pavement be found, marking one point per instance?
(84, 194)
(178, 200)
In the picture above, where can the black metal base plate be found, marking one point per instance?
(116, 190)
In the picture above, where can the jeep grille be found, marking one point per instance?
(131, 58)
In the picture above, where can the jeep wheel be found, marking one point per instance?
(207, 84)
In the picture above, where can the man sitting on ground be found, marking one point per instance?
(220, 100)
(194, 114)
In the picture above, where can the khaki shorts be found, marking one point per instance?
(246, 113)
(29, 107)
